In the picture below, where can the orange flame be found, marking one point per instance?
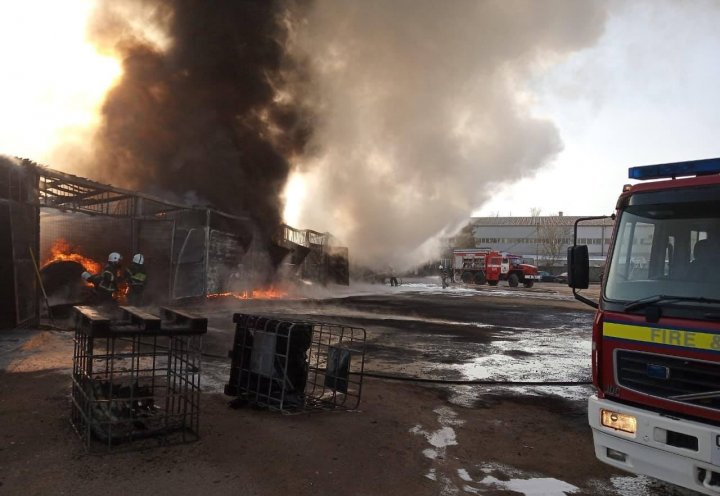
(254, 294)
(62, 251)
(121, 295)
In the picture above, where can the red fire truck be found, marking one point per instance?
(656, 333)
(483, 265)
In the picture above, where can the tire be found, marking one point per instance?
(480, 278)
(513, 280)
(493, 283)
(467, 277)
(528, 284)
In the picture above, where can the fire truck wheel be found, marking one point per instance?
(492, 283)
(528, 284)
(513, 280)
(480, 278)
(467, 277)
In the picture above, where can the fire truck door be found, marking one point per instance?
(494, 267)
(505, 265)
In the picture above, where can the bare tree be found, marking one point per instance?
(553, 238)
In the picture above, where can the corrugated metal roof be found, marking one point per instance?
(542, 220)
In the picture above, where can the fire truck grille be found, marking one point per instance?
(673, 378)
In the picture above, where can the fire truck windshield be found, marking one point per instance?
(665, 250)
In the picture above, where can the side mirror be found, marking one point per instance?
(578, 267)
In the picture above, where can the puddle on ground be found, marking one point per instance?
(465, 291)
(443, 437)
(215, 375)
(462, 480)
(521, 482)
(559, 354)
(544, 486)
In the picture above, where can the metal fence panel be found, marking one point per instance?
(189, 272)
(154, 241)
(224, 255)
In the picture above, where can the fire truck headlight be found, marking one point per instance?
(618, 421)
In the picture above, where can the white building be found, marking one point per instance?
(543, 239)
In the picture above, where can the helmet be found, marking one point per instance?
(114, 257)
(138, 259)
(441, 267)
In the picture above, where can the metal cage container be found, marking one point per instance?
(136, 378)
(296, 366)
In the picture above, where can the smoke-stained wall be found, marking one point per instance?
(423, 110)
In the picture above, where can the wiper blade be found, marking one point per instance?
(643, 302)
(707, 395)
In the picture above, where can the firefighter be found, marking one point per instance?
(393, 277)
(106, 282)
(136, 278)
(443, 277)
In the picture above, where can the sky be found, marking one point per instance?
(643, 91)
(52, 80)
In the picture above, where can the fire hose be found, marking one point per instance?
(453, 382)
(472, 382)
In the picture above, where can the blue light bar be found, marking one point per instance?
(676, 169)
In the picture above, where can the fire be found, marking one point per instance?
(255, 294)
(62, 251)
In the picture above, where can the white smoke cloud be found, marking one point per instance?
(422, 112)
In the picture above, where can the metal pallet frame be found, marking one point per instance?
(136, 378)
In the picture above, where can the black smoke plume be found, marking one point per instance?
(201, 108)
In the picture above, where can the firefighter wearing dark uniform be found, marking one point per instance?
(106, 282)
(136, 278)
(444, 277)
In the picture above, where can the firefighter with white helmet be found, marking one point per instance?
(136, 278)
(106, 282)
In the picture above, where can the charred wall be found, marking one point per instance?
(19, 235)
(93, 236)
(327, 265)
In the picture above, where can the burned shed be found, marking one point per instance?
(54, 225)
(19, 243)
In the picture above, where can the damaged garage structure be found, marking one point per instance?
(190, 251)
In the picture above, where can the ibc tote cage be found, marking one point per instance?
(296, 366)
(136, 378)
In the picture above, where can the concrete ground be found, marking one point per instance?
(406, 437)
